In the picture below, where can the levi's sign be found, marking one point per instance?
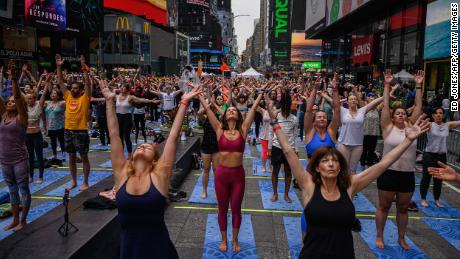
(362, 49)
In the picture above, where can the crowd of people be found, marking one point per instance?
(338, 122)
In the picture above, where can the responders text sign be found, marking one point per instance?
(46, 14)
(363, 49)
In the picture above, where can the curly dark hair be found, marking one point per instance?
(344, 177)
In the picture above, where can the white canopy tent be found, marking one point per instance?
(251, 72)
(404, 76)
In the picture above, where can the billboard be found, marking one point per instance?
(363, 49)
(337, 9)
(305, 50)
(280, 31)
(315, 16)
(6, 9)
(85, 16)
(204, 3)
(173, 16)
(154, 10)
(46, 14)
(298, 15)
(437, 30)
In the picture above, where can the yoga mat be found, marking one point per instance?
(362, 204)
(1, 175)
(432, 210)
(106, 164)
(213, 238)
(195, 196)
(50, 176)
(449, 230)
(94, 177)
(4, 197)
(247, 151)
(257, 168)
(266, 192)
(293, 234)
(34, 214)
(392, 248)
(98, 147)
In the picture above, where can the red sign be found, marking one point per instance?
(144, 8)
(363, 49)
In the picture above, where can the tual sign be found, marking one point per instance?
(312, 64)
(280, 32)
(46, 14)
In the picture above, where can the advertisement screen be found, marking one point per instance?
(154, 10)
(315, 16)
(173, 13)
(280, 28)
(305, 50)
(46, 14)
(85, 16)
(336, 9)
(437, 31)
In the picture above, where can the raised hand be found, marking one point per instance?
(11, 69)
(25, 68)
(335, 81)
(190, 95)
(421, 126)
(105, 90)
(444, 172)
(59, 60)
(418, 78)
(388, 76)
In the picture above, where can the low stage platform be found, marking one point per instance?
(98, 235)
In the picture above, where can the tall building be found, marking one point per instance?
(198, 21)
(225, 16)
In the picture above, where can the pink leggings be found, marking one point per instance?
(229, 184)
(264, 144)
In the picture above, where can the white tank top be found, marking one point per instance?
(406, 162)
(34, 114)
(122, 107)
(168, 101)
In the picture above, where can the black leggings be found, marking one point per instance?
(369, 145)
(103, 130)
(34, 143)
(139, 123)
(56, 135)
(258, 121)
(125, 125)
(431, 160)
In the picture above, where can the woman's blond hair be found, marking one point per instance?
(156, 157)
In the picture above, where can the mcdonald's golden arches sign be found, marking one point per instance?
(122, 23)
(146, 28)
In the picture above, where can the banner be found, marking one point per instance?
(315, 16)
(337, 9)
(46, 14)
(363, 49)
(305, 50)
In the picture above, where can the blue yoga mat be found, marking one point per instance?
(213, 238)
(362, 204)
(392, 248)
(1, 175)
(293, 234)
(97, 147)
(266, 192)
(247, 151)
(257, 169)
(195, 196)
(34, 214)
(448, 229)
(4, 197)
(432, 210)
(94, 177)
(106, 164)
(50, 177)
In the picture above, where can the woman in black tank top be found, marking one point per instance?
(327, 190)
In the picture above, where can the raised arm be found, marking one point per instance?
(335, 122)
(418, 78)
(444, 172)
(251, 114)
(215, 123)
(385, 118)
(18, 97)
(360, 181)
(373, 104)
(308, 117)
(86, 80)
(116, 155)
(59, 63)
(453, 124)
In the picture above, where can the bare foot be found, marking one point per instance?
(236, 247)
(223, 246)
(71, 186)
(274, 197)
(287, 199)
(83, 187)
(439, 204)
(12, 225)
(204, 195)
(424, 203)
(379, 243)
(19, 227)
(39, 181)
(403, 244)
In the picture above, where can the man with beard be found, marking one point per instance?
(76, 136)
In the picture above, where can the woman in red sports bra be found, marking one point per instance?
(229, 178)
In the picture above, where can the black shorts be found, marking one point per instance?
(396, 181)
(76, 141)
(277, 156)
(209, 147)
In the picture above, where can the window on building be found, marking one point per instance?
(410, 48)
(394, 50)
